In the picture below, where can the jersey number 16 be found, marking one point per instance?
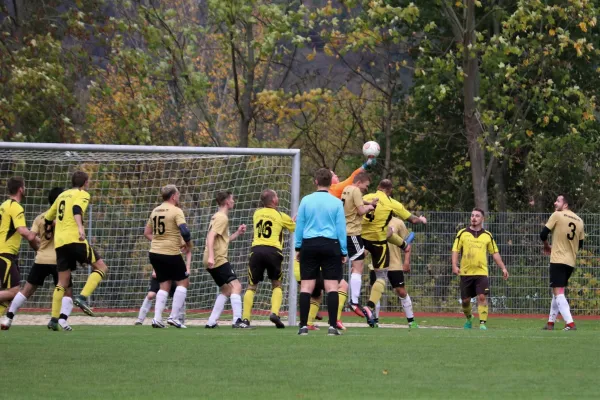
(264, 230)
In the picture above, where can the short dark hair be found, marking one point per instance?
(79, 179)
(54, 193)
(385, 184)
(323, 177)
(566, 199)
(222, 197)
(168, 191)
(479, 210)
(14, 184)
(361, 177)
(267, 196)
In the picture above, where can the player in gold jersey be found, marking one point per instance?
(567, 239)
(44, 265)
(12, 228)
(375, 236)
(165, 229)
(216, 262)
(72, 246)
(266, 254)
(474, 243)
(354, 208)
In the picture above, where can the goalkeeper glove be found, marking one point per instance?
(369, 163)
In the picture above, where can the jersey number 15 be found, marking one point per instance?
(159, 225)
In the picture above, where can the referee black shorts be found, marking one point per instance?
(321, 253)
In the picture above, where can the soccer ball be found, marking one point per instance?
(371, 149)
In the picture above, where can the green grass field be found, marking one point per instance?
(513, 359)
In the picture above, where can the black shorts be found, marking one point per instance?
(9, 271)
(168, 267)
(222, 274)
(69, 255)
(321, 253)
(380, 253)
(264, 258)
(396, 278)
(474, 285)
(356, 248)
(155, 286)
(560, 274)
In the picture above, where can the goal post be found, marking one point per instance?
(125, 184)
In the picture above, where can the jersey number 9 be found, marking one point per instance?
(61, 210)
(264, 230)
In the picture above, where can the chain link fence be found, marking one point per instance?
(433, 288)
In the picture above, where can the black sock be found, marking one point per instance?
(304, 308)
(333, 301)
(371, 305)
(63, 316)
(410, 320)
(10, 315)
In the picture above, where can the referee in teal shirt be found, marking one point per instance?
(321, 243)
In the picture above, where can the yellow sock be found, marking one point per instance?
(483, 313)
(343, 297)
(248, 303)
(276, 299)
(92, 283)
(312, 313)
(377, 291)
(3, 307)
(467, 310)
(57, 296)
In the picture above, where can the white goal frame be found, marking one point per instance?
(294, 154)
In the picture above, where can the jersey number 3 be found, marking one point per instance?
(264, 230)
(159, 225)
(571, 235)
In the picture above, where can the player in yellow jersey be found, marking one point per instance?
(567, 239)
(266, 254)
(12, 228)
(165, 229)
(474, 243)
(375, 236)
(354, 208)
(72, 246)
(44, 265)
(216, 262)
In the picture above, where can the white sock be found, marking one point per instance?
(145, 309)
(377, 308)
(161, 302)
(563, 306)
(182, 312)
(66, 307)
(236, 306)
(355, 283)
(17, 303)
(553, 310)
(407, 306)
(217, 309)
(178, 300)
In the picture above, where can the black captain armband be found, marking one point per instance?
(544, 234)
(48, 225)
(77, 210)
(185, 232)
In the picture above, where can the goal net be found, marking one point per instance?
(125, 184)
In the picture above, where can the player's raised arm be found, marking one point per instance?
(287, 222)
(240, 231)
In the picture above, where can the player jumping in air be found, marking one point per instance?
(474, 243)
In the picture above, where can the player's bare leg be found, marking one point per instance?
(64, 281)
(98, 274)
(178, 302)
(276, 300)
